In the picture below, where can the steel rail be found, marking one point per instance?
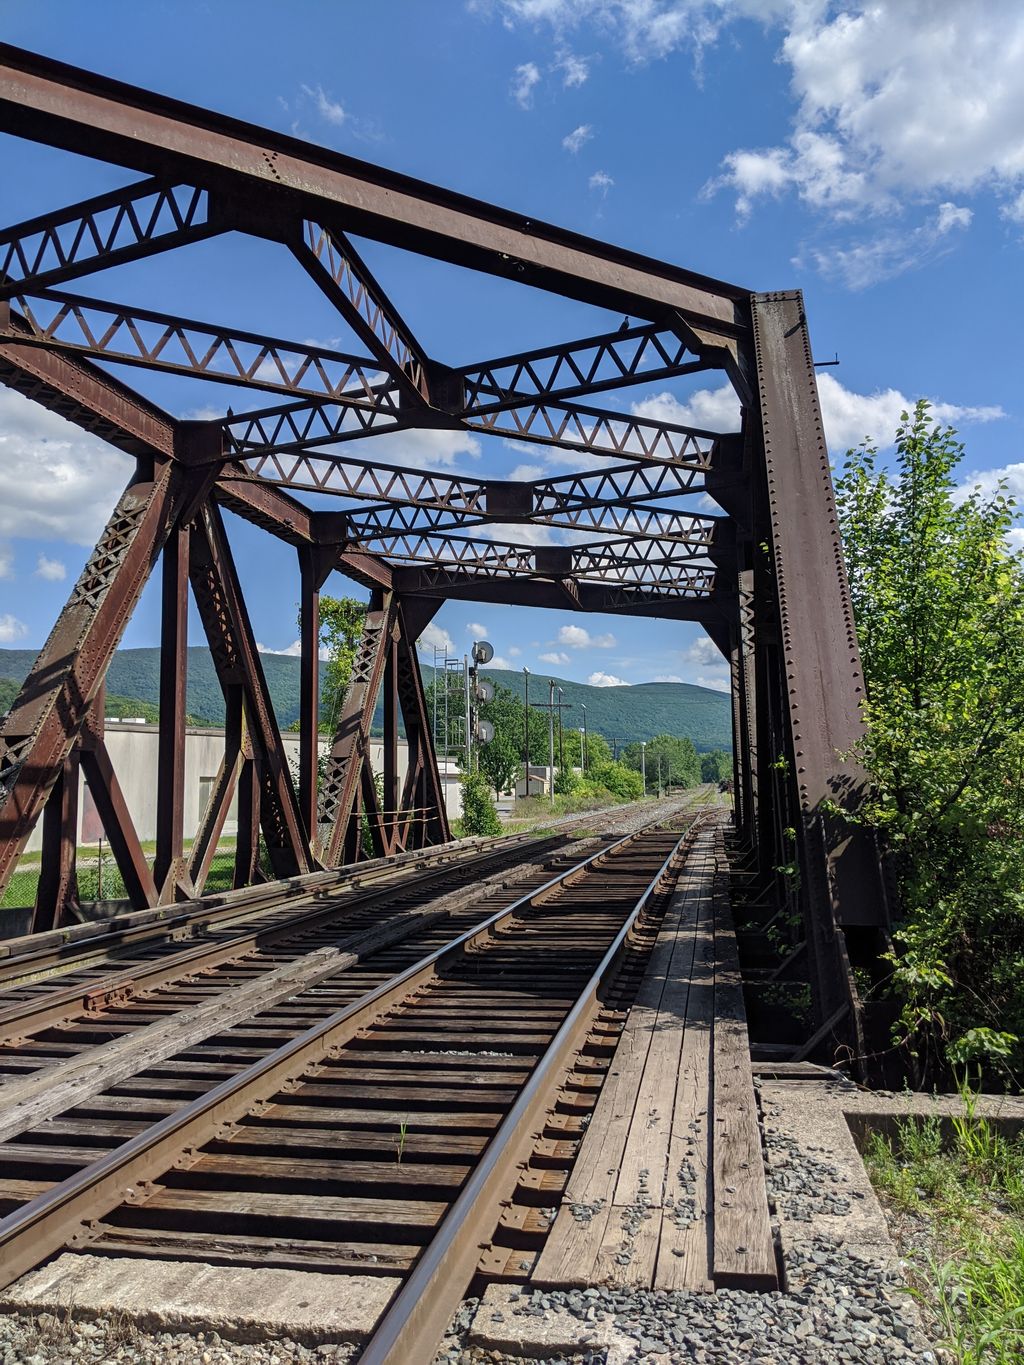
(224, 907)
(415, 1322)
(42, 1010)
(42, 1225)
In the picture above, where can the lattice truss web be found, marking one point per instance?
(533, 468)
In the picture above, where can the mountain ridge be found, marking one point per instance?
(622, 714)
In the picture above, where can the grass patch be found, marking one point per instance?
(956, 1205)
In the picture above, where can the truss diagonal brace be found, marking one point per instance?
(110, 229)
(334, 264)
(47, 715)
(222, 608)
(349, 754)
(142, 337)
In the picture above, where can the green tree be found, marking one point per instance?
(939, 603)
(501, 760)
(341, 627)
(478, 813)
(680, 766)
(716, 766)
(623, 782)
(598, 748)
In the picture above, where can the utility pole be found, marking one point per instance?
(551, 738)
(583, 746)
(465, 688)
(551, 706)
(643, 762)
(561, 745)
(526, 732)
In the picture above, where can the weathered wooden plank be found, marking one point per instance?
(577, 1248)
(744, 1252)
(684, 1251)
(339, 1211)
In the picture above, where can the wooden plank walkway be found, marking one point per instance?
(668, 1188)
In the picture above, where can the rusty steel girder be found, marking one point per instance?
(763, 573)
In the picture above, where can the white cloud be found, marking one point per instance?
(578, 638)
(574, 69)
(667, 677)
(53, 570)
(499, 661)
(704, 652)
(292, 651)
(987, 481)
(329, 109)
(715, 682)
(523, 82)
(891, 253)
(6, 561)
(554, 657)
(527, 473)
(56, 481)
(897, 100)
(514, 651)
(1014, 210)
(573, 141)
(602, 181)
(606, 680)
(417, 448)
(11, 629)
(477, 630)
(849, 417)
(433, 636)
(710, 409)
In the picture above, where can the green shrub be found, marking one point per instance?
(623, 783)
(479, 815)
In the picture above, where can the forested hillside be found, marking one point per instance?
(621, 714)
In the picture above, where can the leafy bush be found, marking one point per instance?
(479, 815)
(567, 781)
(939, 603)
(622, 782)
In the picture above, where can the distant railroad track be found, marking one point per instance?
(373, 1120)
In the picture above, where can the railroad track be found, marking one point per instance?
(374, 1125)
(90, 948)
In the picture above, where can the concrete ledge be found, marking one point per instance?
(248, 1305)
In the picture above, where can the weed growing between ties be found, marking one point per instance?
(956, 1209)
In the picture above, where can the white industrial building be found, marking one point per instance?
(133, 752)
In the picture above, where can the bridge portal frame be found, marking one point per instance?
(766, 579)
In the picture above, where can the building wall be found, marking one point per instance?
(133, 752)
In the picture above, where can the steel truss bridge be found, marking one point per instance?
(764, 576)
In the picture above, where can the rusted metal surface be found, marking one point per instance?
(417, 536)
(549, 953)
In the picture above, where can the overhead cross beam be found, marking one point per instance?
(153, 340)
(611, 360)
(110, 229)
(99, 117)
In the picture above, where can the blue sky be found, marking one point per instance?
(872, 156)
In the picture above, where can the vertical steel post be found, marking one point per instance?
(169, 865)
(309, 687)
(391, 796)
(469, 737)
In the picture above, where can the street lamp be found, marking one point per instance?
(561, 746)
(583, 747)
(643, 762)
